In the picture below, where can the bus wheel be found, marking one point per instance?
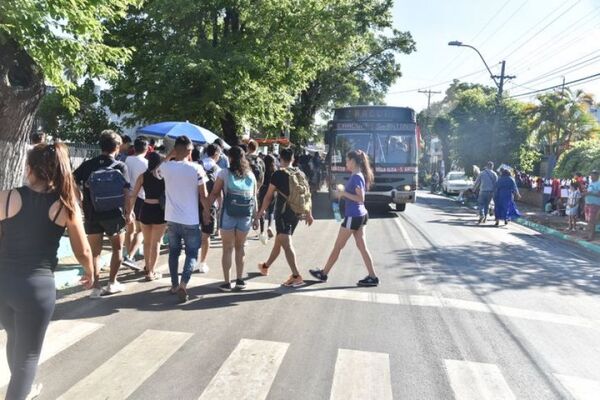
(400, 207)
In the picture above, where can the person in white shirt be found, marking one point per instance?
(185, 186)
(136, 166)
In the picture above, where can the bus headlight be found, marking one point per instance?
(407, 188)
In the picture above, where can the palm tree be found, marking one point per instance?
(560, 118)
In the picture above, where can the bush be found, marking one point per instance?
(583, 157)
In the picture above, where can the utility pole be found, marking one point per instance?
(502, 78)
(429, 93)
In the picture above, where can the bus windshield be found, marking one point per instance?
(395, 149)
(382, 148)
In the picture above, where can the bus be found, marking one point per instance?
(389, 136)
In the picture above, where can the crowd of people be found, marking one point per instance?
(132, 195)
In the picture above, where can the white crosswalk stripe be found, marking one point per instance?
(133, 357)
(361, 375)
(477, 381)
(580, 388)
(59, 336)
(248, 372)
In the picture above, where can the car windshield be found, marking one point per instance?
(457, 177)
(395, 149)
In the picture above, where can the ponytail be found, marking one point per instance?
(362, 160)
(50, 163)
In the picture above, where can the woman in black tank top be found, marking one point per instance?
(152, 215)
(33, 218)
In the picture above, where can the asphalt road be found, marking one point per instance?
(462, 311)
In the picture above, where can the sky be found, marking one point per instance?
(541, 41)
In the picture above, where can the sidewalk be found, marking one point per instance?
(68, 271)
(548, 224)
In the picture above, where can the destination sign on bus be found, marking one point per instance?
(404, 169)
(374, 126)
(399, 114)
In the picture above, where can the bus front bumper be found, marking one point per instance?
(394, 196)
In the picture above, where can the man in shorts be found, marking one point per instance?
(213, 154)
(286, 220)
(112, 222)
(592, 205)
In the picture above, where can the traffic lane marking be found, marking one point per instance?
(361, 375)
(477, 381)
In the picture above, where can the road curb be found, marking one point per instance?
(546, 230)
(557, 234)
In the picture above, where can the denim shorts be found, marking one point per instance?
(242, 224)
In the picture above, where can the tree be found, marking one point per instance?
(229, 64)
(561, 118)
(583, 156)
(54, 41)
(83, 125)
(442, 128)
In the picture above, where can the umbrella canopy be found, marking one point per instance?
(197, 134)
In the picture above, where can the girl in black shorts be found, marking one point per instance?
(152, 214)
(356, 217)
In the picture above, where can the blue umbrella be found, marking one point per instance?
(197, 134)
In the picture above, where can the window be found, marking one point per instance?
(395, 149)
(347, 142)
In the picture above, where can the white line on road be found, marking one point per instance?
(580, 388)
(361, 375)
(477, 381)
(59, 336)
(124, 372)
(248, 372)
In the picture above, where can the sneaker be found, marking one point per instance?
(203, 268)
(480, 219)
(114, 287)
(35, 392)
(240, 284)
(182, 294)
(317, 273)
(226, 287)
(96, 293)
(130, 263)
(294, 281)
(263, 238)
(368, 281)
(263, 268)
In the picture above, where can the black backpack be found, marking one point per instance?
(258, 168)
(211, 176)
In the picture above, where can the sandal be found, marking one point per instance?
(152, 276)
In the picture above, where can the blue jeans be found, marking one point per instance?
(483, 202)
(192, 237)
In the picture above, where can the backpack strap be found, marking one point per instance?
(7, 204)
(60, 208)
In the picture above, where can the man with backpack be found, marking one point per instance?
(213, 153)
(256, 163)
(293, 203)
(105, 187)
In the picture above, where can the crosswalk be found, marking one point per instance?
(252, 367)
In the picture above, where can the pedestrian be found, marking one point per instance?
(213, 153)
(504, 193)
(572, 209)
(356, 217)
(151, 213)
(185, 186)
(238, 187)
(266, 221)
(257, 165)
(293, 203)
(125, 149)
(485, 184)
(136, 164)
(223, 159)
(592, 205)
(33, 219)
(105, 188)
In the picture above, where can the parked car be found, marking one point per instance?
(456, 182)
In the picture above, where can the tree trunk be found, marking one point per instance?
(230, 129)
(21, 89)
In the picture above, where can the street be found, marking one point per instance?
(462, 311)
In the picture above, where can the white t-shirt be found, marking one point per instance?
(136, 166)
(182, 179)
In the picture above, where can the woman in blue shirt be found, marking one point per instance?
(356, 217)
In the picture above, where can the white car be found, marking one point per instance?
(456, 182)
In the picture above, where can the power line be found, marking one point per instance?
(543, 29)
(499, 55)
(458, 56)
(440, 83)
(588, 78)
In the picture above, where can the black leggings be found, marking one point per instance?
(26, 306)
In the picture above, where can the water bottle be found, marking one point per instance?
(336, 211)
